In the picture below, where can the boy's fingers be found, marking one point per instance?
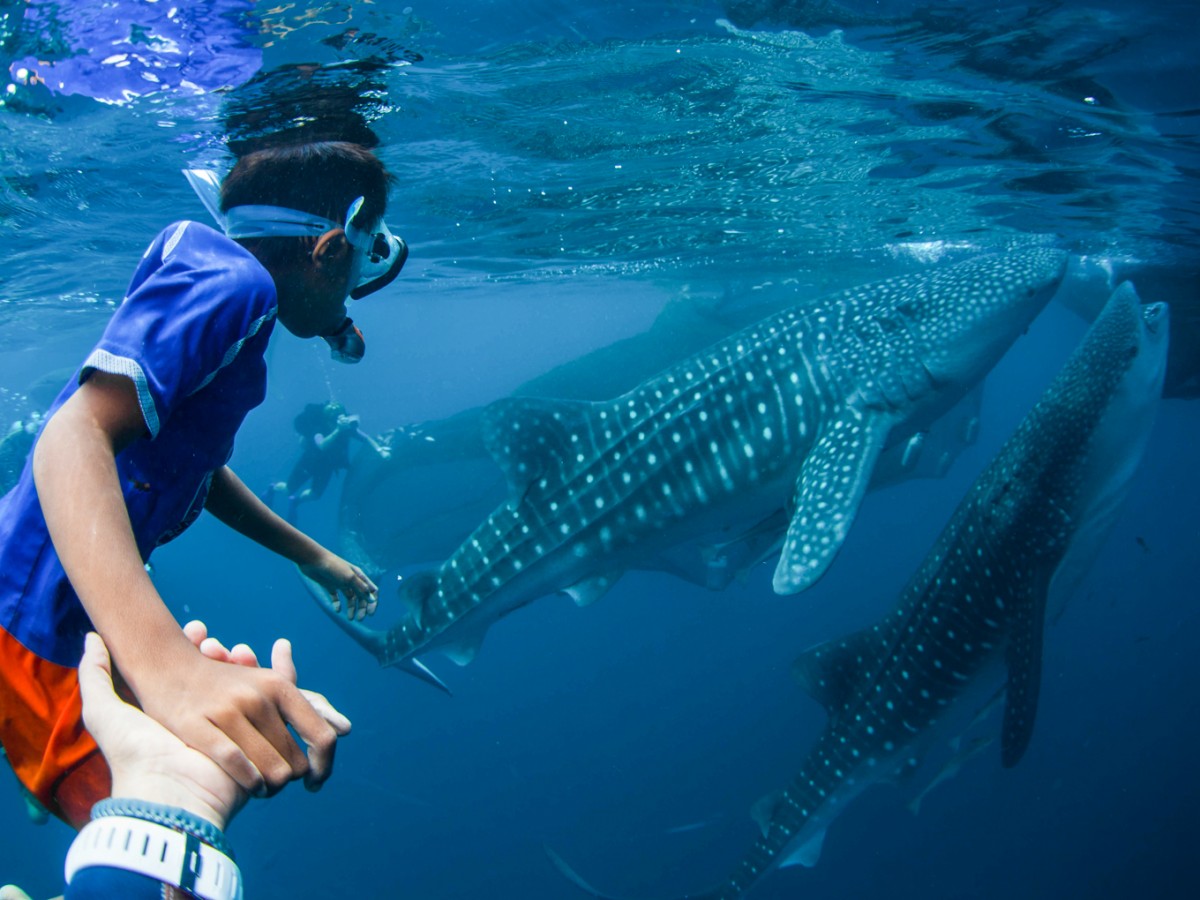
(270, 747)
(326, 711)
(227, 753)
(281, 660)
(317, 734)
(195, 631)
(214, 650)
(242, 655)
(315, 719)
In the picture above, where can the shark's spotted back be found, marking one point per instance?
(789, 414)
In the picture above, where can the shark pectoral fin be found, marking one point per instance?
(529, 437)
(831, 485)
(763, 810)
(464, 651)
(828, 671)
(589, 590)
(418, 669)
(807, 854)
(912, 450)
(1024, 658)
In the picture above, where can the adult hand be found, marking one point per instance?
(147, 761)
(344, 579)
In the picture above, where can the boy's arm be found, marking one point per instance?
(238, 507)
(236, 716)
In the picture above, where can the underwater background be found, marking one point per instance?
(568, 171)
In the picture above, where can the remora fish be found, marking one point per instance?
(792, 411)
(1039, 510)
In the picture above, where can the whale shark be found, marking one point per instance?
(790, 413)
(412, 508)
(973, 613)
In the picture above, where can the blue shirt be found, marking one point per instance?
(190, 334)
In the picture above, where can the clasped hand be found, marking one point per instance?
(148, 762)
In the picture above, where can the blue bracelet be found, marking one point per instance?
(171, 816)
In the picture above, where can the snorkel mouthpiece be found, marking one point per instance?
(346, 345)
(379, 254)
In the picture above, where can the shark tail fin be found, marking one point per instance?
(370, 639)
(578, 880)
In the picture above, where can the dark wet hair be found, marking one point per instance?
(322, 178)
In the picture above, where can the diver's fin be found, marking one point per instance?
(830, 487)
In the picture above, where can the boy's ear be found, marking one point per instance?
(331, 247)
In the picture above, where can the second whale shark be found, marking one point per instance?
(790, 414)
(973, 613)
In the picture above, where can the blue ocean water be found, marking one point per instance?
(567, 170)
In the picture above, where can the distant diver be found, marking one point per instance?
(326, 433)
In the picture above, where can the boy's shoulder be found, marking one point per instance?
(219, 263)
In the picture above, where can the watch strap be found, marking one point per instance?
(148, 848)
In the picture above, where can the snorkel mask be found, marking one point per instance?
(379, 256)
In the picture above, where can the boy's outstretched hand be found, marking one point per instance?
(344, 579)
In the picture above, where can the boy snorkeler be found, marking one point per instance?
(136, 446)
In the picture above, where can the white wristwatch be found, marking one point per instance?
(136, 845)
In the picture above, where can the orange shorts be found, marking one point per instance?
(41, 729)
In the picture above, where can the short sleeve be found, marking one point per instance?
(195, 300)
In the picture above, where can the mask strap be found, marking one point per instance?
(207, 185)
(359, 238)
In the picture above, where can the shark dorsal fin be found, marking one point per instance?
(529, 437)
(830, 487)
(1024, 659)
(415, 591)
(763, 810)
(827, 672)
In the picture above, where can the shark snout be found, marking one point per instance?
(989, 303)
